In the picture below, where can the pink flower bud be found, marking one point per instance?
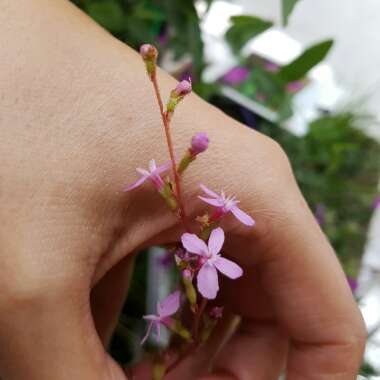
(199, 143)
(216, 312)
(187, 275)
(148, 52)
(183, 88)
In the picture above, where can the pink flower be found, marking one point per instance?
(153, 174)
(165, 309)
(211, 260)
(183, 88)
(216, 312)
(225, 205)
(199, 143)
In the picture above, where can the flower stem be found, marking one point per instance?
(169, 142)
(193, 347)
(197, 319)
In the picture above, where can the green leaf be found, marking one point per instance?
(298, 69)
(107, 13)
(244, 28)
(287, 9)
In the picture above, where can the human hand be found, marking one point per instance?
(77, 117)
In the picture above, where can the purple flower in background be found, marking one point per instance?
(353, 283)
(165, 309)
(166, 260)
(236, 75)
(163, 37)
(225, 205)
(271, 67)
(294, 87)
(153, 174)
(376, 202)
(211, 260)
(320, 213)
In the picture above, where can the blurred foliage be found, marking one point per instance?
(244, 28)
(337, 167)
(170, 24)
(287, 9)
(298, 68)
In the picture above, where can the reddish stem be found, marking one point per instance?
(166, 123)
(195, 345)
(197, 319)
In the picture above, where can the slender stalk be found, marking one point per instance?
(197, 319)
(195, 345)
(166, 123)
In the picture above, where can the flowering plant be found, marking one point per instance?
(199, 253)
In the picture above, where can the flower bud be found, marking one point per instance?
(199, 143)
(216, 312)
(187, 275)
(183, 88)
(148, 52)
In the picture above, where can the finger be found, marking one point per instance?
(42, 340)
(301, 276)
(256, 351)
(108, 297)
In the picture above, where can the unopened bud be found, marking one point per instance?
(199, 143)
(216, 312)
(187, 275)
(183, 88)
(149, 54)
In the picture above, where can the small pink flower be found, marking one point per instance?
(211, 260)
(199, 143)
(225, 205)
(153, 174)
(183, 88)
(216, 312)
(165, 309)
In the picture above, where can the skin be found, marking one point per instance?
(77, 116)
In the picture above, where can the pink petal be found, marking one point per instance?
(242, 216)
(163, 168)
(211, 201)
(216, 240)
(149, 329)
(208, 191)
(193, 244)
(143, 172)
(150, 317)
(207, 280)
(169, 305)
(152, 165)
(228, 268)
(138, 183)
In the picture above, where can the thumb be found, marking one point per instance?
(54, 338)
